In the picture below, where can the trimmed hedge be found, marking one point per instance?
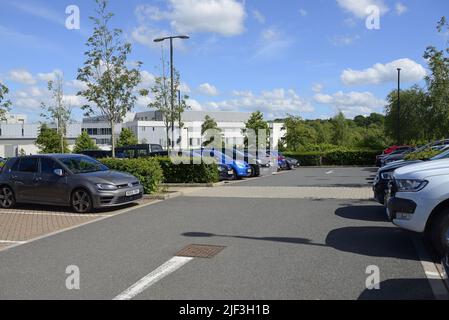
(147, 170)
(336, 157)
(188, 173)
(423, 155)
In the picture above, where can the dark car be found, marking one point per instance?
(254, 162)
(396, 155)
(78, 181)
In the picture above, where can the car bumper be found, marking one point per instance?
(104, 199)
(410, 211)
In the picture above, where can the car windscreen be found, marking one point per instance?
(443, 155)
(83, 165)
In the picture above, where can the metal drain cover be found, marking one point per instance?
(200, 251)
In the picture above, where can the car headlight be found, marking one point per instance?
(410, 185)
(387, 175)
(105, 186)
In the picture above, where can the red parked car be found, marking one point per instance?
(388, 151)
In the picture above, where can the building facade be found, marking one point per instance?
(18, 137)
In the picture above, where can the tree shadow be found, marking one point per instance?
(401, 289)
(364, 213)
(367, 241)
(292, 240)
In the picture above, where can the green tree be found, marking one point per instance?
(127, 138)
(255, 125)
(209, 131)
(415, 117)
(58, 112)
(5, 105)
(110, 83)
(341, 134)
(48, 141)
(298, 134)
(84, 142)
(438, 84)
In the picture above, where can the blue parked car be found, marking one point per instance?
(240, 168)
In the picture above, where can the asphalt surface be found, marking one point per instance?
(275, 249)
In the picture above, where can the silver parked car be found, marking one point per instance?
(77, 181)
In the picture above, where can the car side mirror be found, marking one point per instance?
(59, 172)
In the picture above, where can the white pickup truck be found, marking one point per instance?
(420, 201)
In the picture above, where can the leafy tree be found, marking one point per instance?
(298, 134)
(438, 83)
(258, 125)
(415, 118)
(84, 142)
(5, 105)
(209, 130)
(49, 140)
(341, 130)
(59, 112)
(127, 138)
(110, 83)
(162, 99)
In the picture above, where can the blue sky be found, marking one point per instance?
(306, 58)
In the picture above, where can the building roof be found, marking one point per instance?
(219, 116)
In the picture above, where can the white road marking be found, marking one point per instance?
(170, 266)
(433, 275)
(12, 242)
(330, 172)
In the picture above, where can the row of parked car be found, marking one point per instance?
(416, 194)
(83, 183)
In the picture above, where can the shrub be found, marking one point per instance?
(147, 170)
(188, 173)
(422, 155)
(340, 157)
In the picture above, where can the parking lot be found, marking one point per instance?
(311, 233)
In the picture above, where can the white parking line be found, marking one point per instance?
(330, 172)
(11, 242)
(170, 266)
(433, 275)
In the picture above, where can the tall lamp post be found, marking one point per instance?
(399, 105)
(172, 98)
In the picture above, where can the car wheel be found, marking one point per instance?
(439, 233)
(7, 199)
(81, 201)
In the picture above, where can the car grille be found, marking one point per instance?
(106, 200)
(128, 199)
(123, 186)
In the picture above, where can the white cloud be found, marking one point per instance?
(401, 8)
(21, 76)
(225, 17)
(359, 7)
(246, 94)
(352, 103)
(272, 43)
(147, 79)
(208, 89)
(303, 12)
(274, 103)
(381, 73)
(184, 88)
(77, 85)
(344, 40)
(194, 105)
(51, 76)
(258, 16)
(317, 87)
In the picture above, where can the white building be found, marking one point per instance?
(148, 127)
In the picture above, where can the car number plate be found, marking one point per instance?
(231, 172)
(132, 192)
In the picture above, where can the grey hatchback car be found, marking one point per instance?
(77, 181)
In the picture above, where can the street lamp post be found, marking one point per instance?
(172, 98)
(399, 106)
